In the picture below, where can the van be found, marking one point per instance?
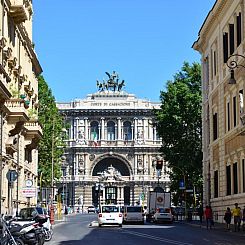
(163, 215)
(110, 215)
(133, 214)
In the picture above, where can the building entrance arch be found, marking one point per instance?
(111, 187)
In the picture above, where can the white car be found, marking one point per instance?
(110, 215)
(91, 209)
(163, 215)
(133, 214)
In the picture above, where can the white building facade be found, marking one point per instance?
(112, 149)
(221, 40)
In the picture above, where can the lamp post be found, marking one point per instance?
(233, 64)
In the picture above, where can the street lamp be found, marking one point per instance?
(233, 64)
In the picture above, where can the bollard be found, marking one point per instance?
(52, 214)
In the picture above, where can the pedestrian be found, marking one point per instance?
(200, 213)
(208, 216)
(243, 219)
(236, 213)
(227, 218)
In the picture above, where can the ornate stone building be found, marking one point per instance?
(19, 128)
(221, 40)
(112, 148)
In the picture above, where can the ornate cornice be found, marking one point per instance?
(213, 15)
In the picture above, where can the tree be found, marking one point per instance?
(50, 146)
(179, 125)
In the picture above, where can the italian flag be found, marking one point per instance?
(95, 139)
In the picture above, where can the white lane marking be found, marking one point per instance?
(156, 238)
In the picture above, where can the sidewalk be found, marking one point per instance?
(221, 227)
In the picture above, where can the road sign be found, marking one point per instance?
(182, 185)
(29, 191)
(189, 191)
(12, 175)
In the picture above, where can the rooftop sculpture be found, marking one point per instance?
(112, 83)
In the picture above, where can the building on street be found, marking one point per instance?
(19, 127)
(221, 43)
(112, 148)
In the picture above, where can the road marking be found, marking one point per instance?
(156, 238)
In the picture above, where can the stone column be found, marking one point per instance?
(150, 129)
(135, 127)
(102, 128)
(119, 128)
(86, 128)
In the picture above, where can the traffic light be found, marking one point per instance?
(159, 164)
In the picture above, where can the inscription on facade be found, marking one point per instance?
(110, 104)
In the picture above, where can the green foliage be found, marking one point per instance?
(179, 124)
(52, 124)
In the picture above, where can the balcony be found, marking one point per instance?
(33, 129)
(18, 11)
(16, 110)
(4, 80)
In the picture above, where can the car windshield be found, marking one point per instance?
(26, 213)
(134, 209)
(110, 209)
(164, 210)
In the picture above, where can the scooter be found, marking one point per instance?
(29, 233)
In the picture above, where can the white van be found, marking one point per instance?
(110, 215)
(133, 214)
(163, 215)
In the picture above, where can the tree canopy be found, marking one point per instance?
(50, 146)
(179, 125)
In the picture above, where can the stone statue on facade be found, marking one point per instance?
(110, 174)
(112, 83)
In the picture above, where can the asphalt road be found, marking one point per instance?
(77, 230)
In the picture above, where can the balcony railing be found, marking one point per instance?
(34, 129)
(16, 110)
(18, 11)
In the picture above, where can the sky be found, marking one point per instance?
(145, 41)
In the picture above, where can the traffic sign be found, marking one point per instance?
(12, 175)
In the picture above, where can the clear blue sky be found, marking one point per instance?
(145, 41)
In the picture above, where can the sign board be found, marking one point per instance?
(29, 191)
(182, 185)
(189, 191)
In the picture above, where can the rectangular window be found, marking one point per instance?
(215, 126)
(241, 106)
(216, 184)
(231, 38)
(239, 29)
(228, 117)
(235, 179)
(228, 180)
(215, 65)
(243, 175)
(234, 112)
(225, 47)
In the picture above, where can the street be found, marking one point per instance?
(76, 229)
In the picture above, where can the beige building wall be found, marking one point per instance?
(223, 137)
(19, 127)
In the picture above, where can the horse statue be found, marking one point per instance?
(120, 86)
(111, 84)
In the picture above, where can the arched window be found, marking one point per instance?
(111, 130)
(94, 131)
(127, 131)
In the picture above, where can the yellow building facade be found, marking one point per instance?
(221, 42)
(19, 127)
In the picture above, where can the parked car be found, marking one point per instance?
(91, 209)
(133, 214)
(110, 215)
(163, 215)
